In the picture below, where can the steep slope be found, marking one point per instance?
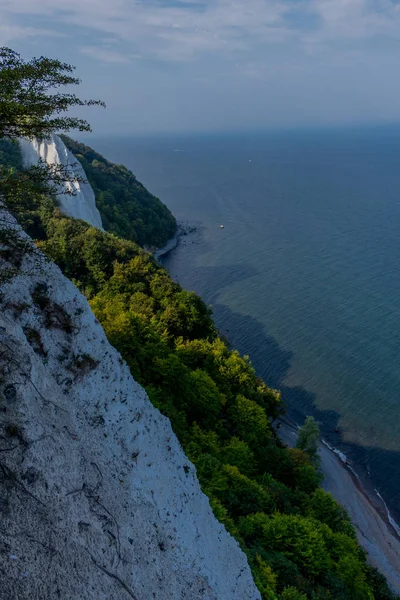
(81, 204)
(299, 542)
(97, 499)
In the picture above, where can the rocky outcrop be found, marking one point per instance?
(97, 499)
(81, 203)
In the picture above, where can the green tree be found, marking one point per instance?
(30, 106)
(379, 585)
(308, 439)
(291, 593)
(205, 399)
(325, 508)
(240, 494)
(352, 573)
(237, 453)
(297, 538)
(250, 421)
(265, 579)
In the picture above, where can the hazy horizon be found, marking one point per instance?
(361, 128)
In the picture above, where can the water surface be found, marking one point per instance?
(304, 276)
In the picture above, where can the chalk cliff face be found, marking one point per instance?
(97, 499)
(82, 204)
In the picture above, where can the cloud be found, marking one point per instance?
(186, 30)
(356, 20)
(165, 30)
(104, 54)
(9, 32)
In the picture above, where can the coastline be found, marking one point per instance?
(182, 229)
(170, 245)
(377, 533)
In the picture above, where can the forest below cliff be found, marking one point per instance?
(299, 542)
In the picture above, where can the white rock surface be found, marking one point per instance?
(97, 499)
(81, 204)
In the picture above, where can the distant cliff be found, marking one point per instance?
(81, 204)
(127, 208)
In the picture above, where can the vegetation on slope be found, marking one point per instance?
(126, 207)
(299, 541)
(10, 155)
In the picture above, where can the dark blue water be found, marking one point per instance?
(304, 277)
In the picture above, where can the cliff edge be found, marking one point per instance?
(97, 499)
(81, 203)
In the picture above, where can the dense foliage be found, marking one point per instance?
(126, 207)
(10, 154)
(308, 439)
(299, 541)
(29, 105)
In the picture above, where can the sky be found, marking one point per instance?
(219, 65)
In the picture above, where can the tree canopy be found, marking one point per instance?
(308, 439)
(30, 105)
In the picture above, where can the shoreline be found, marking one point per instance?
(377, 532)
(183, 229)
(170, 245)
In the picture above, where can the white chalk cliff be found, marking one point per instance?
(97, 499)
(80, 205)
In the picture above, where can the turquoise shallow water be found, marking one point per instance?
(304, 276)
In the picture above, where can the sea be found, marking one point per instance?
(304, 275)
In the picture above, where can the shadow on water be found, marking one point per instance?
(272, 364)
